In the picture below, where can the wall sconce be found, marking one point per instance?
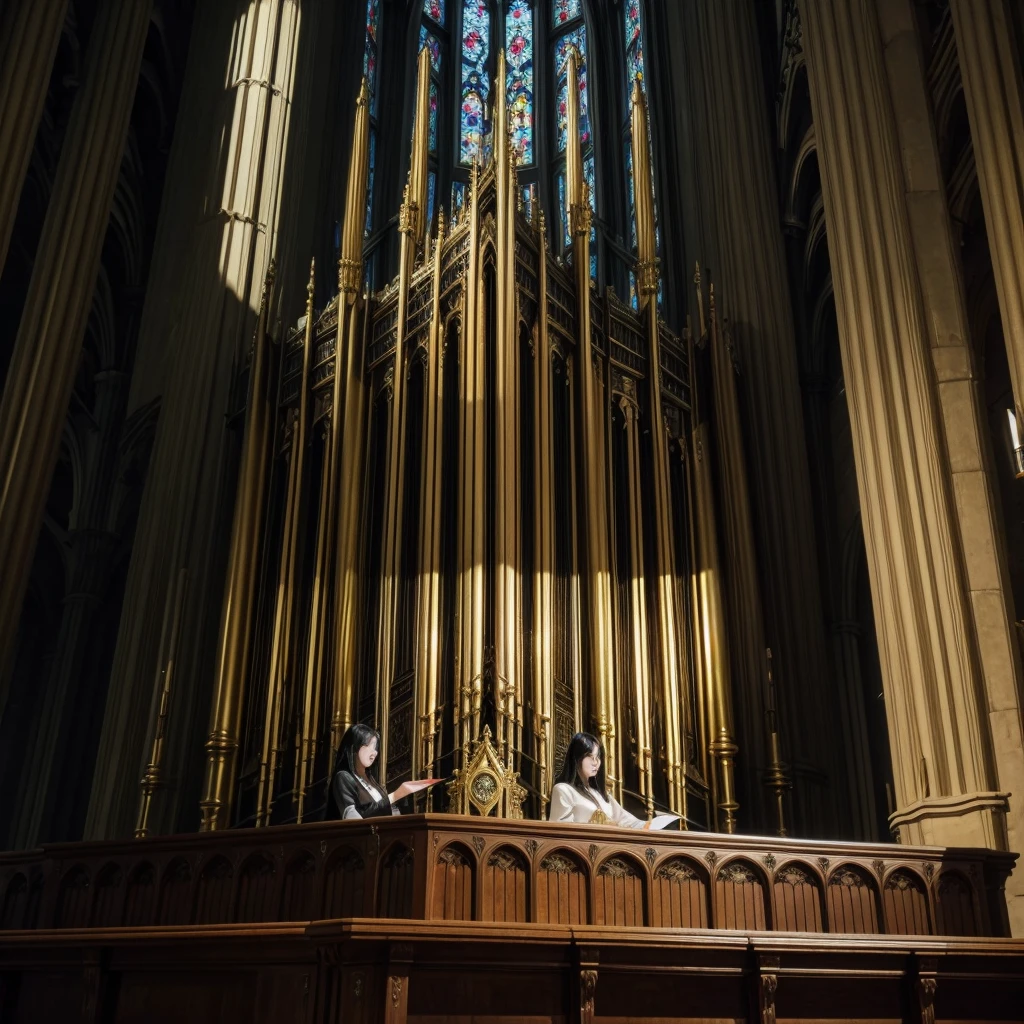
(1018, 451)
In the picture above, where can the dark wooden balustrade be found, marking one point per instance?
(453, 868)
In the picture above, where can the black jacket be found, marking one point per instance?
(348, 791)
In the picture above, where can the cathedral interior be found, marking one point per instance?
(488, 371)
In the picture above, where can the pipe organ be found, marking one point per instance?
(478, 500)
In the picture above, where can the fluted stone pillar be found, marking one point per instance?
(45, 359)
(947, 788)
(990, 68)
(961, 404)
(29, 34)
(744, 248)
(252, 86)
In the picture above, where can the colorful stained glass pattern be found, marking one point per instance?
(635, 64)
(369, 184)
(631, 9)
(565, 10)
(372, 19)
(434, 9)
(458, 196)
(563, 212)
(433, 117)
(431, 190)
(519, 54)
(578, 39)
(370, 50)
(433, 45)
(529, 201)
(476, 26)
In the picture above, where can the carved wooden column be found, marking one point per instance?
(29, 35)
(45, 359)
(945, 782)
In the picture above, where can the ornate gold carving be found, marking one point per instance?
(486, 785)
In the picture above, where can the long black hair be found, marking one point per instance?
(356, 737)
(579, 747)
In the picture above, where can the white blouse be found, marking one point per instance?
(570, 804)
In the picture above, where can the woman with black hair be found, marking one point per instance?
(356, 792)
(580, 795)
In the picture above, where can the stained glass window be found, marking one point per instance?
(476, 26)
(519, 55)
(431, 190)
(529, 201)
(565, 10)
(433, 117)
(430, 41)
(458, 196)
(369, 184)
(434, 9)
(576, 38)
(370, 73)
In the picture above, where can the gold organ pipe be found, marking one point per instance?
(664, 548)
(595, 512)
(641, 653)
(543, 531)
(236, 618)
(281, 646)
(412, 219)
(152, 779)
(350, 389)
(508, 675)
(428, 613)
(712, 640)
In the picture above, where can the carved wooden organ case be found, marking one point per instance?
(485, 504)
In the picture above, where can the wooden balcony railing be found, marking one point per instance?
(454, 868)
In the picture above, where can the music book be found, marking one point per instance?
(660, 821)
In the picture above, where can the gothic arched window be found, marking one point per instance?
(633, 40)
(431, 31)
(464, 38)
(370, 53)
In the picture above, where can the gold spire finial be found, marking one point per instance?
(643, 192)
(350, 259)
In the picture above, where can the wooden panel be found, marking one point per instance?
(298, 899)
(954, 905)
(562, 890)
(394, 886)
(797, 899)
(140, 896)
(257, 890)
(680, 895)
(108, 898)
(905, 903)
(175, 893)
(506, 895)
(213, 892)
(453, 886)
(344, 881)
(73, 901)
(739, 896)
(619, 893)
(12, 915)
(852, 901)
(173, 997)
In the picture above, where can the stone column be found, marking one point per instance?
(29, 35)
(220, 224)
(946, 790)
(744, 249)
(49, 341)
(990, 69)
(961, 406)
